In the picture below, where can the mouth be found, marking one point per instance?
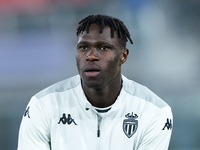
(91, 71)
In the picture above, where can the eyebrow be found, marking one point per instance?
(98, 43)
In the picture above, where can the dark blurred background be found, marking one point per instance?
(38, 44)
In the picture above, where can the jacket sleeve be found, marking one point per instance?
(34, 129)
(158, 133)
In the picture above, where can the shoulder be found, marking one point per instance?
(142, 92)
(61, 86)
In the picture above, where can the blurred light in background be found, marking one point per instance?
(38, 44)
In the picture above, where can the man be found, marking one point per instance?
(99, 108)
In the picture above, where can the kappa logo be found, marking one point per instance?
(130, 124)
(26, 113)
(168, 124)
(67, 119)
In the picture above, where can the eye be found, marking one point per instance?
(104, 48)
(83, 48)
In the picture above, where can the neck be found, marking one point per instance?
(105, 96)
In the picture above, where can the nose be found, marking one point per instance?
(92, 55)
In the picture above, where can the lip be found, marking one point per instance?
(91, 71)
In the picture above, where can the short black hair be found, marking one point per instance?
(103, 20)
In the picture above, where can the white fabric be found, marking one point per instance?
(42, 129)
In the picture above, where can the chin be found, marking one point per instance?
(92, 84)
(95, 86)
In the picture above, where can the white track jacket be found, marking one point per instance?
(61, 118)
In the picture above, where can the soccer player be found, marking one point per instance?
(98, 109)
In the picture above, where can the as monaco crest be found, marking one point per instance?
(130, 124)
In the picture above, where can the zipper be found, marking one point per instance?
(99, 119)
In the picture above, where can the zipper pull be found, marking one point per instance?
(98, 133)
(99, 119)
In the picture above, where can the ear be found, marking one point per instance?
(124, 55)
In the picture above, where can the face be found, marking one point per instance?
(99, 57)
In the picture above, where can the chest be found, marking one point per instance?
(89, 131)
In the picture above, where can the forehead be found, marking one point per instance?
(94, 34)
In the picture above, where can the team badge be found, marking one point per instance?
(130, 124)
